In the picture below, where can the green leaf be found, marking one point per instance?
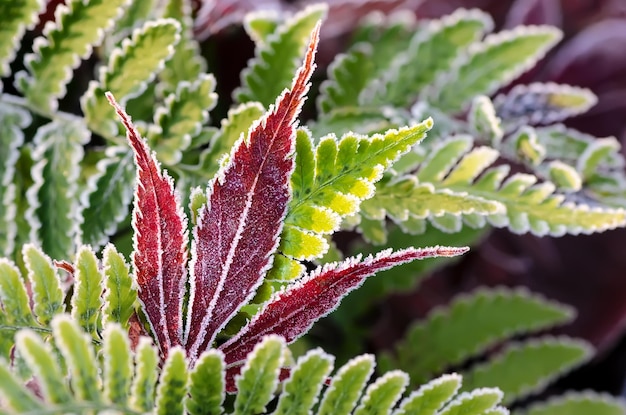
(595, 153)
(14, 394)
(564, 176)
(206, 385)
(300, 391)
(346, 386)
(448, 337)
(348, 75)
(13, 295)
(542, 103)
(106, 201)
(86, 300)
(78, 28)
(429, 398)
(526, 146)
(17, 17)
(483, 120)
(259, 376)
(12, 121)
(578, 403)
(330, 181)
(118, 364)
(238, 122)
(431, 52)
(259, 25)
(275, 62)
(361, 120)
(528, 367)
(120, 290)
(187, 64)
(181, 118)
(493, 63)
(130, 69)
(172, 387)
(75, 346)
(53, 197)
(43, 362)
(145, 379)
(45, 283)
(473, 403)
(382, 395)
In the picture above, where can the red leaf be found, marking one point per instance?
(238, 229)
(160, 242)
(292, 312)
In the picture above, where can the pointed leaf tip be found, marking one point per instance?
(291, 313)
(238, 230)
(160, 241)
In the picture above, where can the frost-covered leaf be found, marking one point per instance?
(526, 146)
(145, 379)
(346, 386)
(172, 387)
(106, 201)
(45, 283)
(272, 68)
(305, 382)
(542, 103)
(332, 179)
(206, 385)
(12, 121)
(429, 398)
(595, 153)
(17, 17)
(181, 118)
(130, 69)
(381, 396)
(432, 50)
(293, 311)
(260, 24)
(75, 346)
(78, 27)
(53, 210)
(528, 367)
(117, 366)
(490, 64)
(160, 242)
(14, 395)
(564, 176)
(483, 120)
(237, 231)
(120, 289)
(87, 300)
(13, 296)
(577, 403)
(449, 336)
(259, 377)
(237, 123)
(477, 402)
(187, 64)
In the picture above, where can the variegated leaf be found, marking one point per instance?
(79, 26)
(160, 242)
(17, 17)
(238, 230)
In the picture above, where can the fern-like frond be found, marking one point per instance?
(187, 64)
(105, 201)
(47, 293)
(332, 179)
(275, 61)
(449, 336)
(78, 27)
(490, 64)
(578, 403)
(181, 118)
(432, 50)
(53, 210)
(12, 121)
(87, 299)
(483, 120)
(542, 103)
(17, 17)
(126, 380)
(530, 207)
(120, 288)
(131, 67)
(260, 24)
(528, 367)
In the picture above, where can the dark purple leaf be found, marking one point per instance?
(292, 312)
(238, 229)
(160, 242)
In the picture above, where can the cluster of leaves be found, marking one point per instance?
(264, 197)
